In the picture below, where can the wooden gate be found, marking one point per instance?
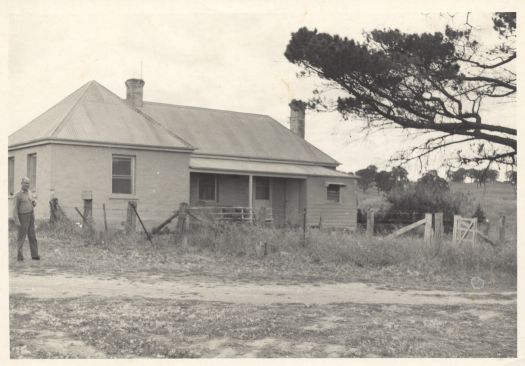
(465, 230)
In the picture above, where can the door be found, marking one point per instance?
(262, 202)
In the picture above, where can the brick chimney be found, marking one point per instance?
(134, 89)
(297, 113)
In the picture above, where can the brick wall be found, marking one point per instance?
(161, 183)
(43, 168)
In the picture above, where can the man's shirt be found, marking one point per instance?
(23, 202)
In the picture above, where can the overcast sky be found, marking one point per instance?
(207, 55)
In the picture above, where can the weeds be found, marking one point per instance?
(233, 251)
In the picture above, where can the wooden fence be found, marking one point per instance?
(464, 229)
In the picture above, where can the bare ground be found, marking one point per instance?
(72, 316)
(60, 285)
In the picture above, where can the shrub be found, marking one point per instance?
(431, 193)
(479, 214)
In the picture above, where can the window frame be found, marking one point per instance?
(268, 187)
(30, 174)
(11, 175)
(215, 187)
(338, 186)
(132, 158)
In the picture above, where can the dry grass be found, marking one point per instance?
(237, 252)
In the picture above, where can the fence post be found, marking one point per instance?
(501, 229)
(455, 229)
(428, 228)
(304, 227)
(370, 223)
(88, 211)
(53, 211)
(321, 222)
(181, 224)
(105, 219)
(131, 220)
(438, 226)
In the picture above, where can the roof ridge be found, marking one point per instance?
(303, 139)
(59, 127)
(148, 118)
(152, 120)
(205, 108)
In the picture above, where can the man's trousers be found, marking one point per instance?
(27, 228)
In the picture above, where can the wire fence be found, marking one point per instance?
(388, 221)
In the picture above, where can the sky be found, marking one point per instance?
(205, 55)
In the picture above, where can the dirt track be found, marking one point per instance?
(56, 286)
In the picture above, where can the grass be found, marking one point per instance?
(496, 199)
(128, 327)
(232, 253)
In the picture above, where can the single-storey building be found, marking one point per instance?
(96, 148)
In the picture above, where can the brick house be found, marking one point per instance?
(94, 147)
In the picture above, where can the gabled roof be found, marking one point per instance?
(95, 114)
(235, 134)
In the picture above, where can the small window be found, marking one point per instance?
(11, 175)
(262, 188)
(332, 192)
(123, 174)
(207, 187)
(31, 171)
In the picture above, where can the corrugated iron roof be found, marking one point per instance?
(94, 113)
(259, 167)
(235, 134)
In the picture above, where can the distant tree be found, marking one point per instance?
(368, 177)
(400, 176)
(474, 175)
(491, 175)
(458, 175)
(481, 176)
(384, 181)
(431, 83)
(512, 177)
(431, 184)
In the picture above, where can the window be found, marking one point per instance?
(262, 188)
(31, 170)
(207, 187)
(123, 174)
(332, 192)
(11, 175)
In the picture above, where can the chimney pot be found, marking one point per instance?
(297, 117)
(134, 92)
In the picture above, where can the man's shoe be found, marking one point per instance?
(36, 258)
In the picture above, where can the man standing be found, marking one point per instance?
(24, 218)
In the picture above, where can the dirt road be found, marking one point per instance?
(63, 286)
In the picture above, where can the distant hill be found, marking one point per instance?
(496, 199)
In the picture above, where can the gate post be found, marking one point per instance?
(438, 226)
(455, 229)
(428, 228)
